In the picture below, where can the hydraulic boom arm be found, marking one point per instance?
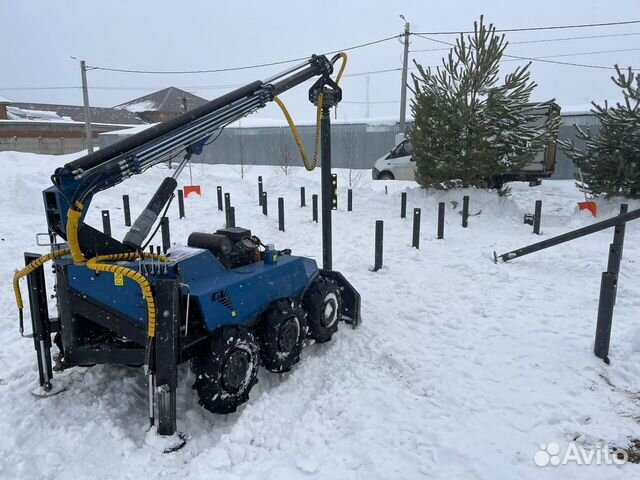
(77, 181)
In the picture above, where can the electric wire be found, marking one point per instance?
(357, 74)
(544, 40)
(245, 67)
(544, 59)
(537, 29)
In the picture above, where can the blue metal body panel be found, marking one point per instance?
(56, 205)
(223, 296)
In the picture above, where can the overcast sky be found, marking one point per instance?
(39, 37)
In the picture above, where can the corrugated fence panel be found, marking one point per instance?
(352, 145)
(355, 145)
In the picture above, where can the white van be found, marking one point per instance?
(396, 165)
(399, 164)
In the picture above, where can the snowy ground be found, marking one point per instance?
(461, 368)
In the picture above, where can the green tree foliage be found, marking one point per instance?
(610, 160)
(468, 126)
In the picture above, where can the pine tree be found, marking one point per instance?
(469, 128)
(610, 163)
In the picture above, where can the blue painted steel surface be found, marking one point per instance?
(224, 297)
(56, 205)
(101, 286)
(238, 295)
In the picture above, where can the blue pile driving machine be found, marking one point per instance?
(225, 302)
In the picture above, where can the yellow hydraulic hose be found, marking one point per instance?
(34, 265)
(344, 58)
(97, 264)
(73, 225)
(294, 130)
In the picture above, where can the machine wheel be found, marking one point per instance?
(283, 329)
(226, 373)
(386, 176)
(323, 305)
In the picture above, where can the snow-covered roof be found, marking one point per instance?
(170, 99)
(583, 109)
(70, 113)
(16, 113)
(4, 99)
(586, 108)
(141, 106)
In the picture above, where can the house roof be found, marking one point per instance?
(70, 113)
(4, 99)
(167, 100)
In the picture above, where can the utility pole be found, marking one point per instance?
(405, 66)
(87, 111)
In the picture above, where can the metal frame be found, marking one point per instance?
(41, 325)
(168, 354)
(566, 237)
(609, 281)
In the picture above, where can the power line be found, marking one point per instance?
(578, 54)
(571, 64)
(546, 40)
(38, 88)
(371, 102)
(535, 29)
(373, 72)
(543, 59)
(245, 67)
(192, 87)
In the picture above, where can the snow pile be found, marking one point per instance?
(461, 368)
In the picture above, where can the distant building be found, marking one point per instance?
(60, 129)
(55, 129)
(162, 105)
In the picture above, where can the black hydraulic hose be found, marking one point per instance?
(150, 239)
(143, 224)
(153, 133)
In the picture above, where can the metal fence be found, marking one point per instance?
(44, 145)
(353, 145)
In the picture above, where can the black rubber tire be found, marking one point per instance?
(282, 331)
(386, 176)
(323, 304)
(226, 373)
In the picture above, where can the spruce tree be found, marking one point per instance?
(610, 161)
(468, 126)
